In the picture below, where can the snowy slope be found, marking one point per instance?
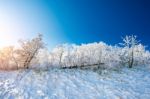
(76, 84)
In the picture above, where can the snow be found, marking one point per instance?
(126, 83)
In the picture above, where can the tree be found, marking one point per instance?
(29, 49)
(130, 42)
(7, 60)
(44, 59)
(58, 53)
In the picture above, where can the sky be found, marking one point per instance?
(74, 21)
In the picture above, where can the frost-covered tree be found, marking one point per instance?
(88, 55)
(28, 50)
(43, 59)
(7, 58)
(130, 42)
(69, 55)
(58, 53)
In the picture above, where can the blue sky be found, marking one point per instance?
(74, 21)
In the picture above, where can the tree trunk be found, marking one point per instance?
(132, 59)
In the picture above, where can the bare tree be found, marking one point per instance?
(130, 42)
(29, 50)
(58, 52)
(7, 59)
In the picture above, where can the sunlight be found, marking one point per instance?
(9, 28)
(6, 37)
(9, 31)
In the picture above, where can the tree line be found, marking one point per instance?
(33, 54)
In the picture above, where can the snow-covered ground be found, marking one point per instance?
(76, 84)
